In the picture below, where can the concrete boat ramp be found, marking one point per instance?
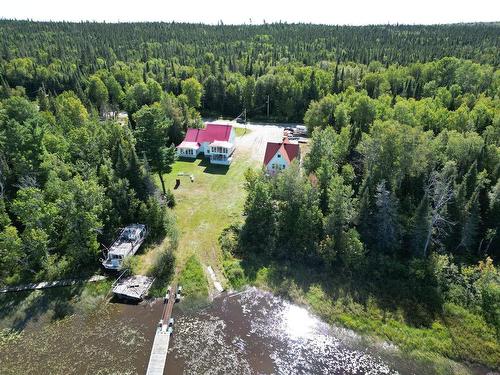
(217, 284)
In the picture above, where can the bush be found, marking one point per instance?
(56, 267)
(159, 220)
(228, 240)
(170, 199)
(234, 273)
(162, 270)
(193, 280)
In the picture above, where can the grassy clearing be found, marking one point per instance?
(203, 209)
(194, 284)
(206, 206)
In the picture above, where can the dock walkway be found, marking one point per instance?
(159, 351)
(50, 284)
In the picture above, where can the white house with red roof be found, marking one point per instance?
(215, 141)
(279, 155)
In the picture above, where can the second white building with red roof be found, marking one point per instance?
(279, 155)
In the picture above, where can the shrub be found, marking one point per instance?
(234, 273)
(193, 280)
(162, 270)
(170, 199)
(158, 218)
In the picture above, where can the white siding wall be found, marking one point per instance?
(232, 136)
(183, 152)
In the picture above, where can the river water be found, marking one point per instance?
(251, 332)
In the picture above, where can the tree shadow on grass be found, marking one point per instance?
(213, 168)
(189, 160)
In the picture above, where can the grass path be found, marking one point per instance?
(206, 206)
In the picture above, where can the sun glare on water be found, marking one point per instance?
(298, 322)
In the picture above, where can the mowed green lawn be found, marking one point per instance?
(207, 205)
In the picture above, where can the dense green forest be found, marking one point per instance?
(238, 65)
(399, 192)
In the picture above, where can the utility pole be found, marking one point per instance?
(268, 106)
(245, 117)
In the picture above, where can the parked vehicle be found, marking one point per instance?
(300, 130)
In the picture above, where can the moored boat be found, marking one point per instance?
(128, 242)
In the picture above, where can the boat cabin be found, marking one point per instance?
(127, 244)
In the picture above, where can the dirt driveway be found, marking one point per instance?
(253, 144)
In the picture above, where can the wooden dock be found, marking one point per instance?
(159, 351)
(51, 284)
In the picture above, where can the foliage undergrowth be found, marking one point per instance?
(193, 280)
(455, 333)
(162, 270)
(437, 336)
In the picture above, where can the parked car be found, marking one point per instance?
(239, 120)
(171, 322)
(301, 130)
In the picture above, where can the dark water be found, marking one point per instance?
(252, 332)
(257, 333)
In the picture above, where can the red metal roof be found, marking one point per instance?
(289, 150)
(212, 132)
